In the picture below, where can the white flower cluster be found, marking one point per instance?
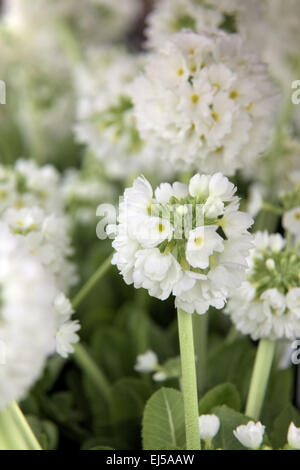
(92, 20)
(32, 209)
(46, 237)
(172, 16)
(105, 117)
(189, 241)
(38, 79)
(206, 102)
(27, 327)
(267, 305)
(28, 185)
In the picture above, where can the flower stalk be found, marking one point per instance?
(90, 284)
(92, 370)
(260, 378)
(15, 432)
(200, 329)
(189, 382)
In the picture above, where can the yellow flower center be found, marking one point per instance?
(161, 227)
(234, 94)
(195, 98)
(297, 216)
(198, 241)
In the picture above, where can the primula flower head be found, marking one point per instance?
(267, 305)
(27, 322)
(183, 240)
(205, 101)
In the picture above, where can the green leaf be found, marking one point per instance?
(278, 436)
(229, 419)
(113, 352)
(232, 363)
(279, 395)
(128, 399)
(163, 422)
(172, 368)
(224, 394)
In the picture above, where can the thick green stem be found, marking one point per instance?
(189, 382)
(89, 366)
(260, 377)
(84, 291)
(15, 432)
(200, 327)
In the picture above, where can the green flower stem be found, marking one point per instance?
(271, 208)
(92, 370)
(84, 291)
(260, 377)
(15, 432)
(208, 444)
(189, 382)
(200, 328)
(232, 335)
(23, 425)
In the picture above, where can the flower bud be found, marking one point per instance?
(209, 426)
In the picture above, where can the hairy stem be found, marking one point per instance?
(260, 378)
(189, 382)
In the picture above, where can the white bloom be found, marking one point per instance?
(236, 223)
(209, 426)
(159, 376)
(293, 300)
(273, 302)
(294, 437)
(152, 231)
(146, 362)
(156, 272)
(202, 242)
(27, 320)
(250, 435)
(167, 244)
(291, 221)
(65, 328)
(66, 336)
(204, 102)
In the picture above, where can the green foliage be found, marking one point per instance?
(163, 421)
(223, 394)
(278, 435)
(231, 363)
